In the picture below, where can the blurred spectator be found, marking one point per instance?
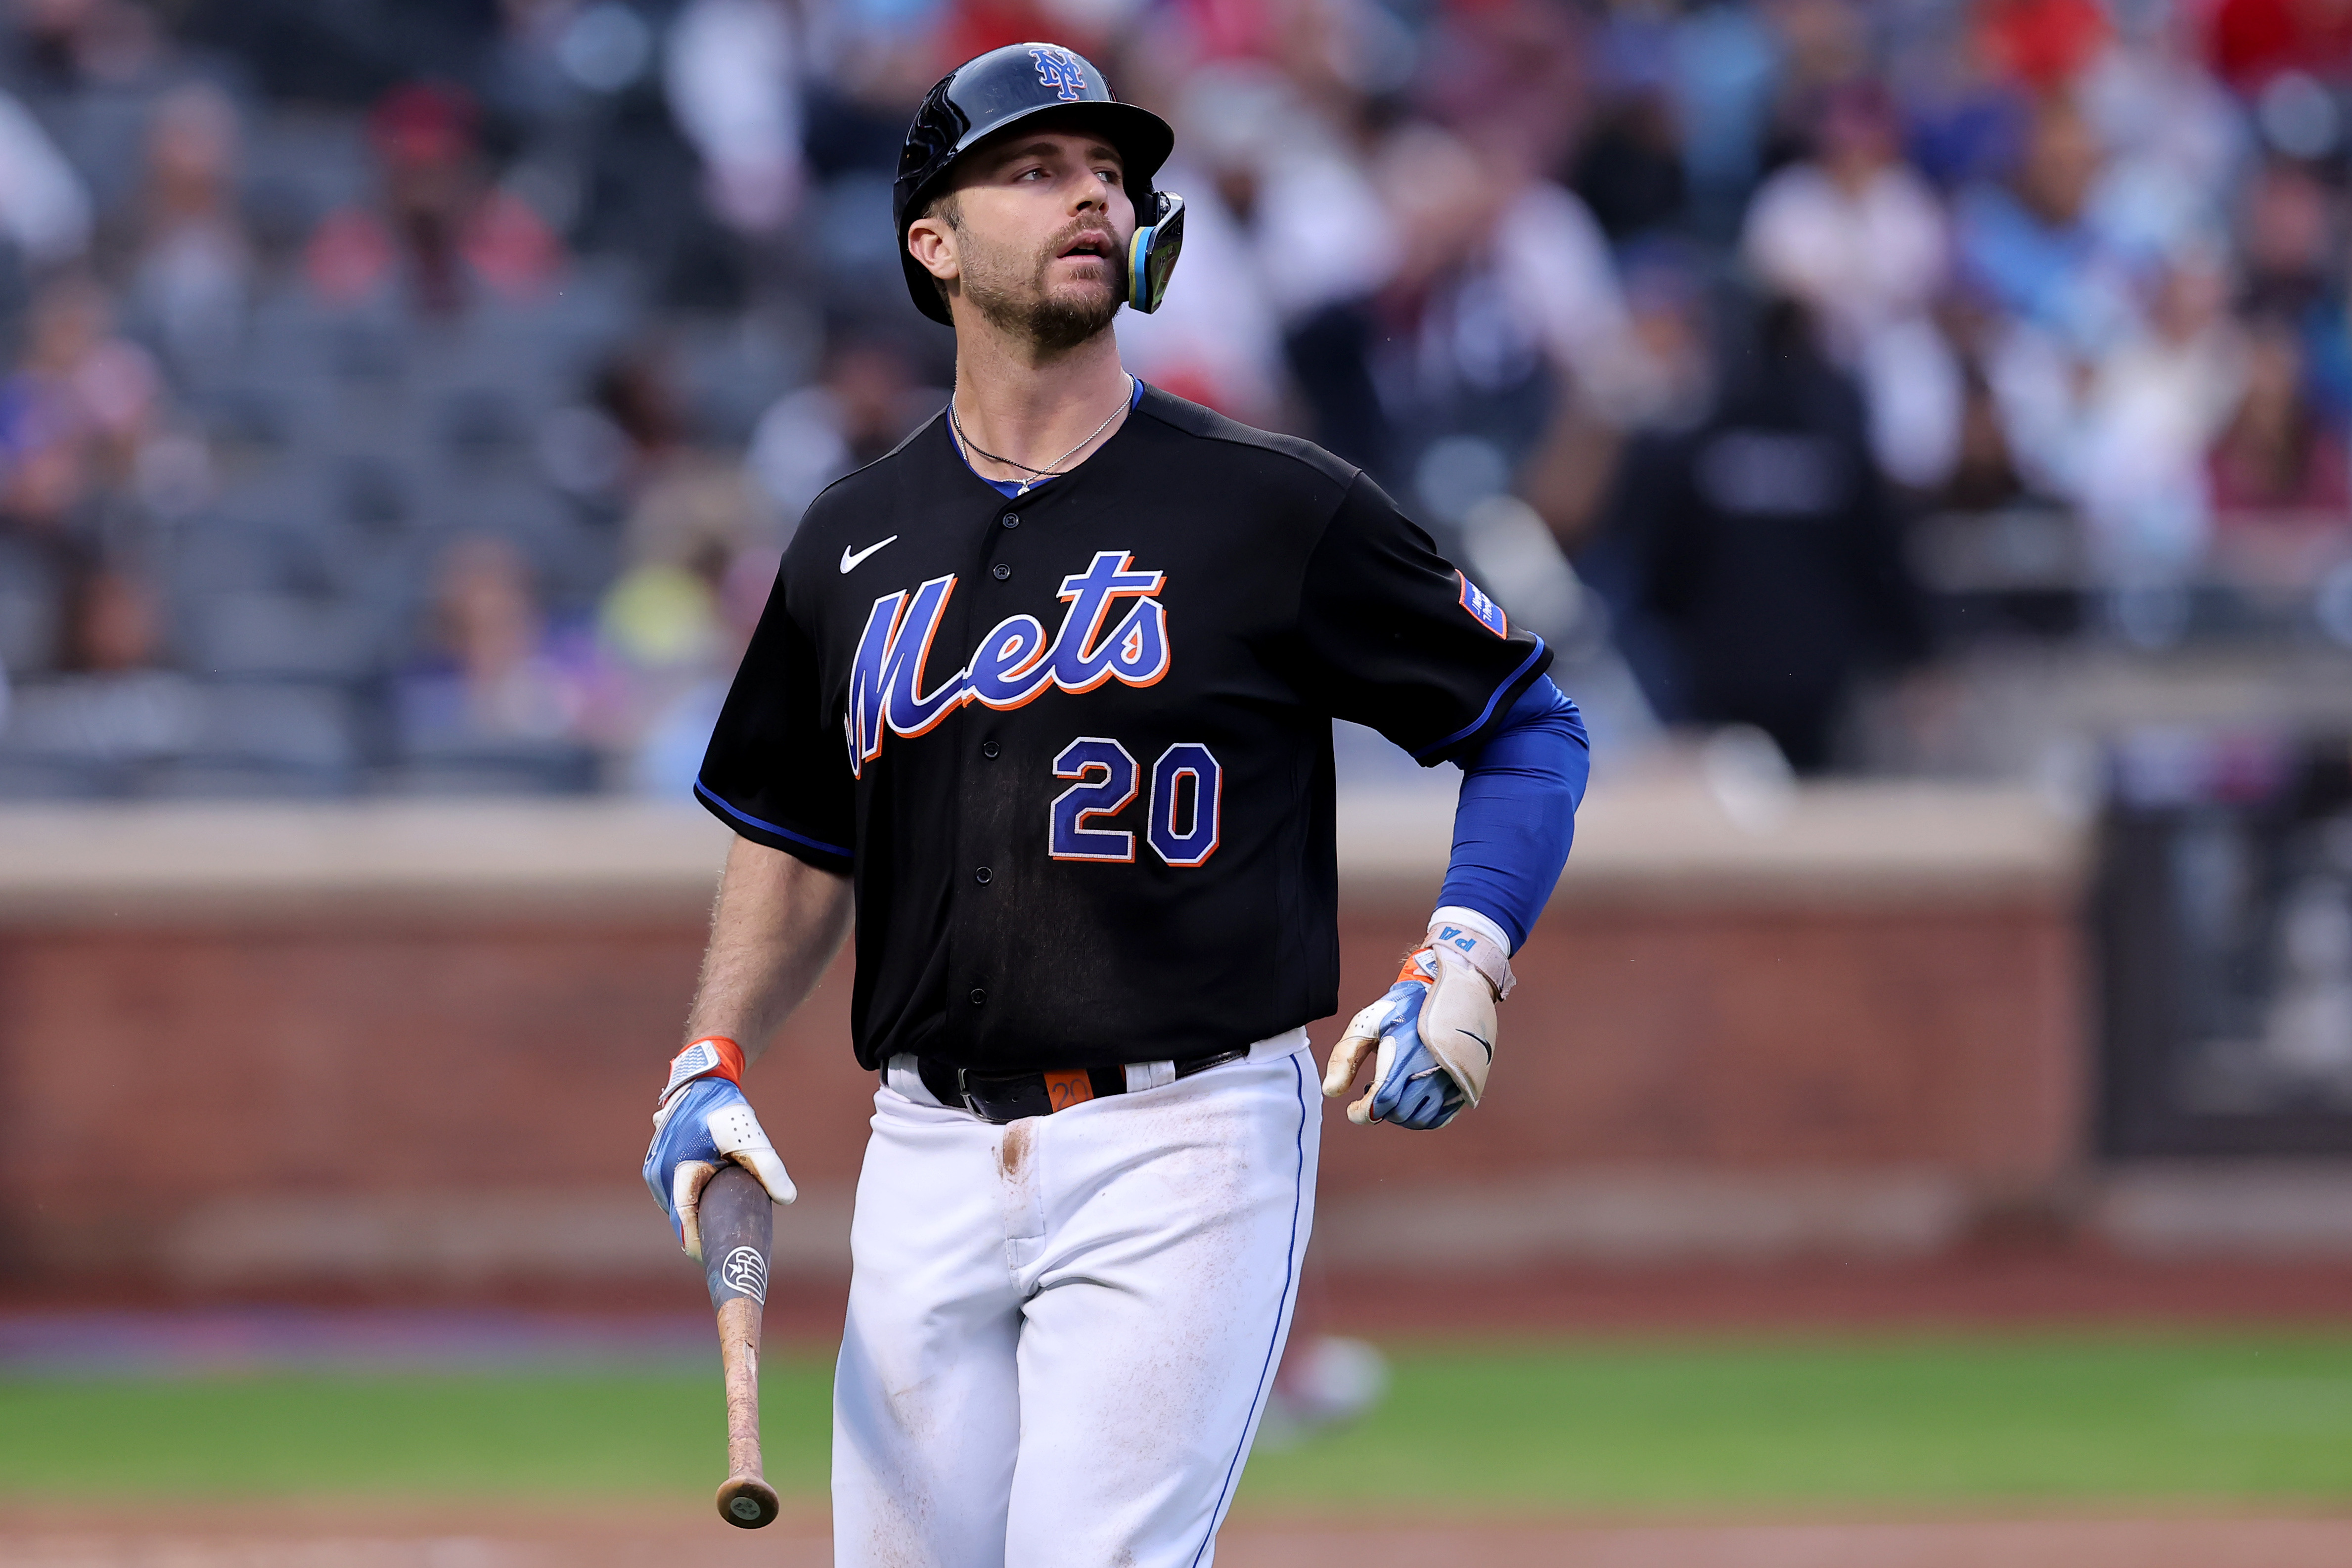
(2250, 42)
(731, 69)
(1859, 238)
(669, 755)
(664, 635)
(1220, 343)
(1506, 77)
(1985, 473)
(1823, 44)
(2153, 406)
(2291, 231)
(974, 26)
(1764, 546)
(695, 512)
(2274, 458)
(2029, 244)
(1296, 183)
(45, 208)
(114, 626)
(1286, 224)
(194, 261)
(661, 617)
(73, 416)
(2289, 223)
(1503, 310)
(68, 43)
(445, 232)
(350, 52)
(2108, 354)
(105, 709)
(1470, 247)
(1724, 64)
(2181, 139)
(493, 672)
(634, 392)
(1983, 477)
(864, 403)
(1628, 166)
(1665, 287)
(1629, 172)
(1966, 122)
(2042, 44)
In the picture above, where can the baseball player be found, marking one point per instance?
(1045, 696)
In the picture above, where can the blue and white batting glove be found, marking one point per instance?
(701, 1122)
(1433, 1033)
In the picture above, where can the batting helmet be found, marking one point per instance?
(1005, 87)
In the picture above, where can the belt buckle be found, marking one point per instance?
(963, 1092)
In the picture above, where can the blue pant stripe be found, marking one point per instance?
(1289, 1280)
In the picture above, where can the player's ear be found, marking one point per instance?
(931, 241)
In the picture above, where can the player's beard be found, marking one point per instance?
(1052, 320)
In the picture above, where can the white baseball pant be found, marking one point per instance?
(1062, 1330)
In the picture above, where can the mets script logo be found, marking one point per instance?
(1489, 613)
(746, 1272)
(1015, 663)
(1059, 69)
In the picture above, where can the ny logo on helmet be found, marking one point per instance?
(1058, 68)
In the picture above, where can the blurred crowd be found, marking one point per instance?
(416, 396)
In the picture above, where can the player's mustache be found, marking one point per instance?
(1083, 229)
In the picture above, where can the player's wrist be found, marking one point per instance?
(1466, 936)
(1480, 925)
(706, 1056)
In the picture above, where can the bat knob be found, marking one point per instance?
(748, 1502)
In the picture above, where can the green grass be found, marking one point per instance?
(1666, 1425)
(2043, 1419)
(617, 1434)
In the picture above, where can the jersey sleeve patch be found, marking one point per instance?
(1482, 610)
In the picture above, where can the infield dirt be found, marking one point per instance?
(376, 1536)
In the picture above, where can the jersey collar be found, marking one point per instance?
(1009, 489)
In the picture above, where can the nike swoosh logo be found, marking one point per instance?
(850, 558)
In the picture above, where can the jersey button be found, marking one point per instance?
(983, 876)
(989, 749)
(978, 997)
(1012, 519)
(1000, 571)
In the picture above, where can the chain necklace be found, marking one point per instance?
(1049, 471)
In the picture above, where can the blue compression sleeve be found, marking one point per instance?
(1516, 813)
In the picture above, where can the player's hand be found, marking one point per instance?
(703, 1122)
(1431, 1037)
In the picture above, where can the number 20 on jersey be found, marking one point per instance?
(1181, 818)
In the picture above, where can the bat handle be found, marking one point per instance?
(746, 1499)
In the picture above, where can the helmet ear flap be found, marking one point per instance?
(1151, 255)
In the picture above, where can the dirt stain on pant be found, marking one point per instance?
(1015, 1149)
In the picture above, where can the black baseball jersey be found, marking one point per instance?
(1075, 749)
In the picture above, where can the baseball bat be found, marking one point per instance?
(738, 1223)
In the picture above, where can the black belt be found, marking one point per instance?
(1008, 1096)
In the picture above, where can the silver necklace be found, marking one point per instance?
(1050, 470)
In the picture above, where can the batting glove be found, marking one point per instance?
(701, 1122)
(1433, 1033)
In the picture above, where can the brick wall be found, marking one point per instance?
(335, 1089)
